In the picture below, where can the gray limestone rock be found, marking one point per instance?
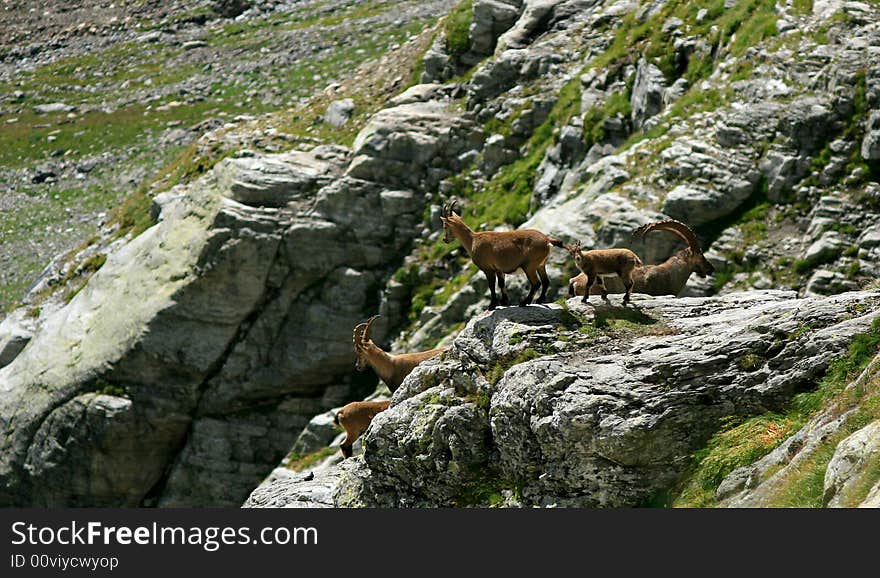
(648, 93)
(529, 401)
(871, 143)
(536, 16)
(226, 326)
(850, 467)
(491, 18)
(16, 332)
(413, 145)
(825, 248)
(697, 205)
(338, 112)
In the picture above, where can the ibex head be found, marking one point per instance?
(361, 342)
(698, 262)
(445, 215)
(575, 250)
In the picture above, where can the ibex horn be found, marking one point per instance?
(369, 324)
(676, 228)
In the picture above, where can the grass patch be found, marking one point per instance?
(481, 399)
(298, 462)
(456, 28)
(802, 266)
(499, 368)
(607, 318)
(750, 362)
(737, 444)
(104, 387)
(803, 7)
(740, 443)
(617, 104)
(729, 30)
(485, 488)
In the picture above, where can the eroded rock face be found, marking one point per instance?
(850, 466)
(648, 92)
(848, 475)
(491, 19)
(219, 332)
(590, 417)
(413, 145)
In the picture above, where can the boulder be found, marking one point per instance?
(275, 181)
(53, 107)
(318, 433)
(338, 112)
(824, 282)
(413, 145)
(491, 18)
(16, 332)
(697, 205)
(782, 169)
(535, 18)
(826, 248)
(648, 92)
(870, 237)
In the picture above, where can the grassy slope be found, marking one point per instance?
(742, 442)
(111, 120)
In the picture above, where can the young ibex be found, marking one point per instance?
(599, 263)
(392, 369)
(497, 253)
(669, 277)
(354, 418)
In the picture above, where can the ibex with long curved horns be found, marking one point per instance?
(497, 253)
(669, 277)
(392, 369)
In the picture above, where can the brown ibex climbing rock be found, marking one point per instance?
(598, 263)
(355, 417)
(497, 253)
(669, 277)
(392, 369)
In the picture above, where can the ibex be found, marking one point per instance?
(392, 369)
(599, 263)
(669, 277)
(497, 253)
(354, 418)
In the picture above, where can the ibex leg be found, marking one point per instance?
(490, 277)
(533, 279)
(545, 283)
(504, 299)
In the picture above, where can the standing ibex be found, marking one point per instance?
(497, 253)
(599, 263)
(392, 369)
(669, 277)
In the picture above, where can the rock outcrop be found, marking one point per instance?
(586, 405)
(185, 368)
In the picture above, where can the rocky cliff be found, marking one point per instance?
(596, 405)
(184, 368)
